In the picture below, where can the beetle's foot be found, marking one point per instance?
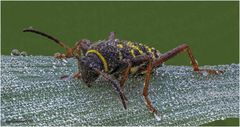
(65, 77)
(158, 118)
(59, 56)
(155, 113)
(69, 77)
(150, 107)
(77, 75)
(208, 71)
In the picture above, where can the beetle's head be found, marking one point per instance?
(88, 74)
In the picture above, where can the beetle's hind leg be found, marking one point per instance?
(181, 48)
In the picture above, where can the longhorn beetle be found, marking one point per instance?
(116, 59)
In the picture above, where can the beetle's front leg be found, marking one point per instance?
(181, 48)
(79, 49)
(146, 88)
(76, 75)
(123, 71)
(115, 85)
(68, 54)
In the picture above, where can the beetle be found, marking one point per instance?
(116, 59)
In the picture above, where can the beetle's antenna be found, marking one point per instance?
(46, 35)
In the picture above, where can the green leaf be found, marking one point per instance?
(32, 93)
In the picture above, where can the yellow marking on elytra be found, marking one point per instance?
(150, 51)
(132, 53)
(101, 58)
(120, 45)
(130, 44)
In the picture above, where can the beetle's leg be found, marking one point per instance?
(134, 62)
(68, 54)
(76, 75)
(124, 75)
(179, 49)
(126, 65)
(115, 84)
(139, 60)
(79, 49)
(123, 71)
(146, 86)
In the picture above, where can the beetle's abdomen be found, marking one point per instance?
(133, 49)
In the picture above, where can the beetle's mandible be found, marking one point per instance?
(116, 59)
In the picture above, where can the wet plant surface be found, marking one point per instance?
(32, 93)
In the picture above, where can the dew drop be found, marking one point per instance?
(158, 118)
(47, 100)
(222, 118)
(205, 73)
(15, 52)
(64, 60)
(23, 53)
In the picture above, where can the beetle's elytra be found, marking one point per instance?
(120, 59)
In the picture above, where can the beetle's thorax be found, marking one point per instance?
(107, 54)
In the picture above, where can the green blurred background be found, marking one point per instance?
(210, 28)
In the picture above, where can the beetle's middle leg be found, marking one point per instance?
(127, 64)
(181, 48)
(138, 61)
(146, 86)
